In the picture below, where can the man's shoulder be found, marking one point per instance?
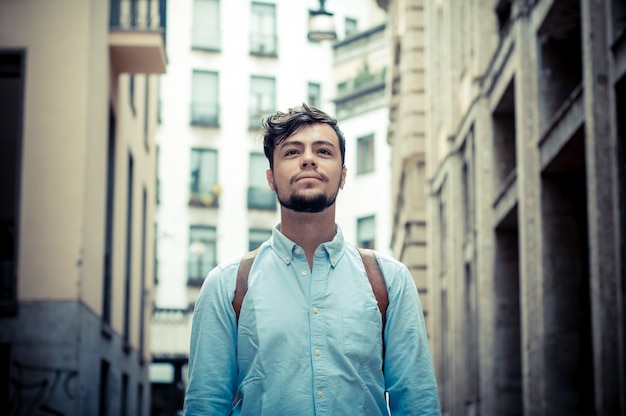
(386, 261)
(226, 270)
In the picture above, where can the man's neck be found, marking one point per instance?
(308, 230)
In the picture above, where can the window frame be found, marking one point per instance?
(204, 261)
(361, 223)
(257, 96)
(197, 196)
(197, 116)
(206, 22)
(366, 155)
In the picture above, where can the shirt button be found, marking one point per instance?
(318, 352)
(304, 273)
(315, 309)
(287, 258)
(298, 251)
(320, 393)
(332, 260)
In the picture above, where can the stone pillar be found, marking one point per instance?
(529, 213)
(603, 209)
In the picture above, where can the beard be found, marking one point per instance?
(311, 204)
(307, 203)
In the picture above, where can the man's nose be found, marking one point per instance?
(308, 159)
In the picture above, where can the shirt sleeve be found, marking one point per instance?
(212, 381)
(409, 371)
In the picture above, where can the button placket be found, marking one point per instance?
(319, 281)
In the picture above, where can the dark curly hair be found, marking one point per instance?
(280, 126)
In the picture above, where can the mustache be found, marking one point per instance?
(297, 176)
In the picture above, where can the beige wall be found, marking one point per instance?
(68, 89)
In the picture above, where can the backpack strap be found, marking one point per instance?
(375, 276)
(242, 280)
(372, 269)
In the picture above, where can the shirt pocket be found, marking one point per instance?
(362, 335)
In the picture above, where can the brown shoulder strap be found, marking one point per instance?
(242, 280)
(375, 276)
(372, 269)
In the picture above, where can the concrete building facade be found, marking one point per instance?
(230, 64)
(78, 95)
(523, 131)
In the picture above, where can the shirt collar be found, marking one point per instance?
(286, 248)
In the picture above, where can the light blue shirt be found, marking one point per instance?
(309, 341)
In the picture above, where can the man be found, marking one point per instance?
(309, 337)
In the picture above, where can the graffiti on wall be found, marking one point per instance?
(37, 390)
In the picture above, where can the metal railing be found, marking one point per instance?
(138, 15)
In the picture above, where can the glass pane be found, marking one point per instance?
(262, 98)
(203, 171)
(258, 166)
(365, 154)
(314, 94)
(366, 232)
(204, 97)
(202, 251)
(257, 237)
(263, 19)
(206, 20)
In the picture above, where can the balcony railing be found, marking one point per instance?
(263, 45)
(204, 114)
(359, 43)
(363, 93)
(137, 36)
(137, 14)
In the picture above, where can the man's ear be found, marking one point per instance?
(343, 177)
(270, 179)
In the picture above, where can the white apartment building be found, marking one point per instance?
(229, 64)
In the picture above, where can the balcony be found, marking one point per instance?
(205, 114)
(137, 36)
(263, 45)
(360, 44)
(363, 93)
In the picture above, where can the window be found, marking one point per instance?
(263, 29)
(128, 273)
(204, 98)
(205, 29)
(124, 403)
(146, 111)
(142, 285)
(262, 99)
(314, 94)
(131, 92)
(257, 237)
(12, 77)
(259, 194)
(366, 232)
(108, 234)
(202, 253)
(204, 190)
(342, 88)
(351, 26)
(103, 395)
(365, 154)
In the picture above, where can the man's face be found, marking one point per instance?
(307, 172)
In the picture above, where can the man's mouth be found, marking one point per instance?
(319, 177)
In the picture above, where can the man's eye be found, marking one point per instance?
(290, 152)
(325, 151)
